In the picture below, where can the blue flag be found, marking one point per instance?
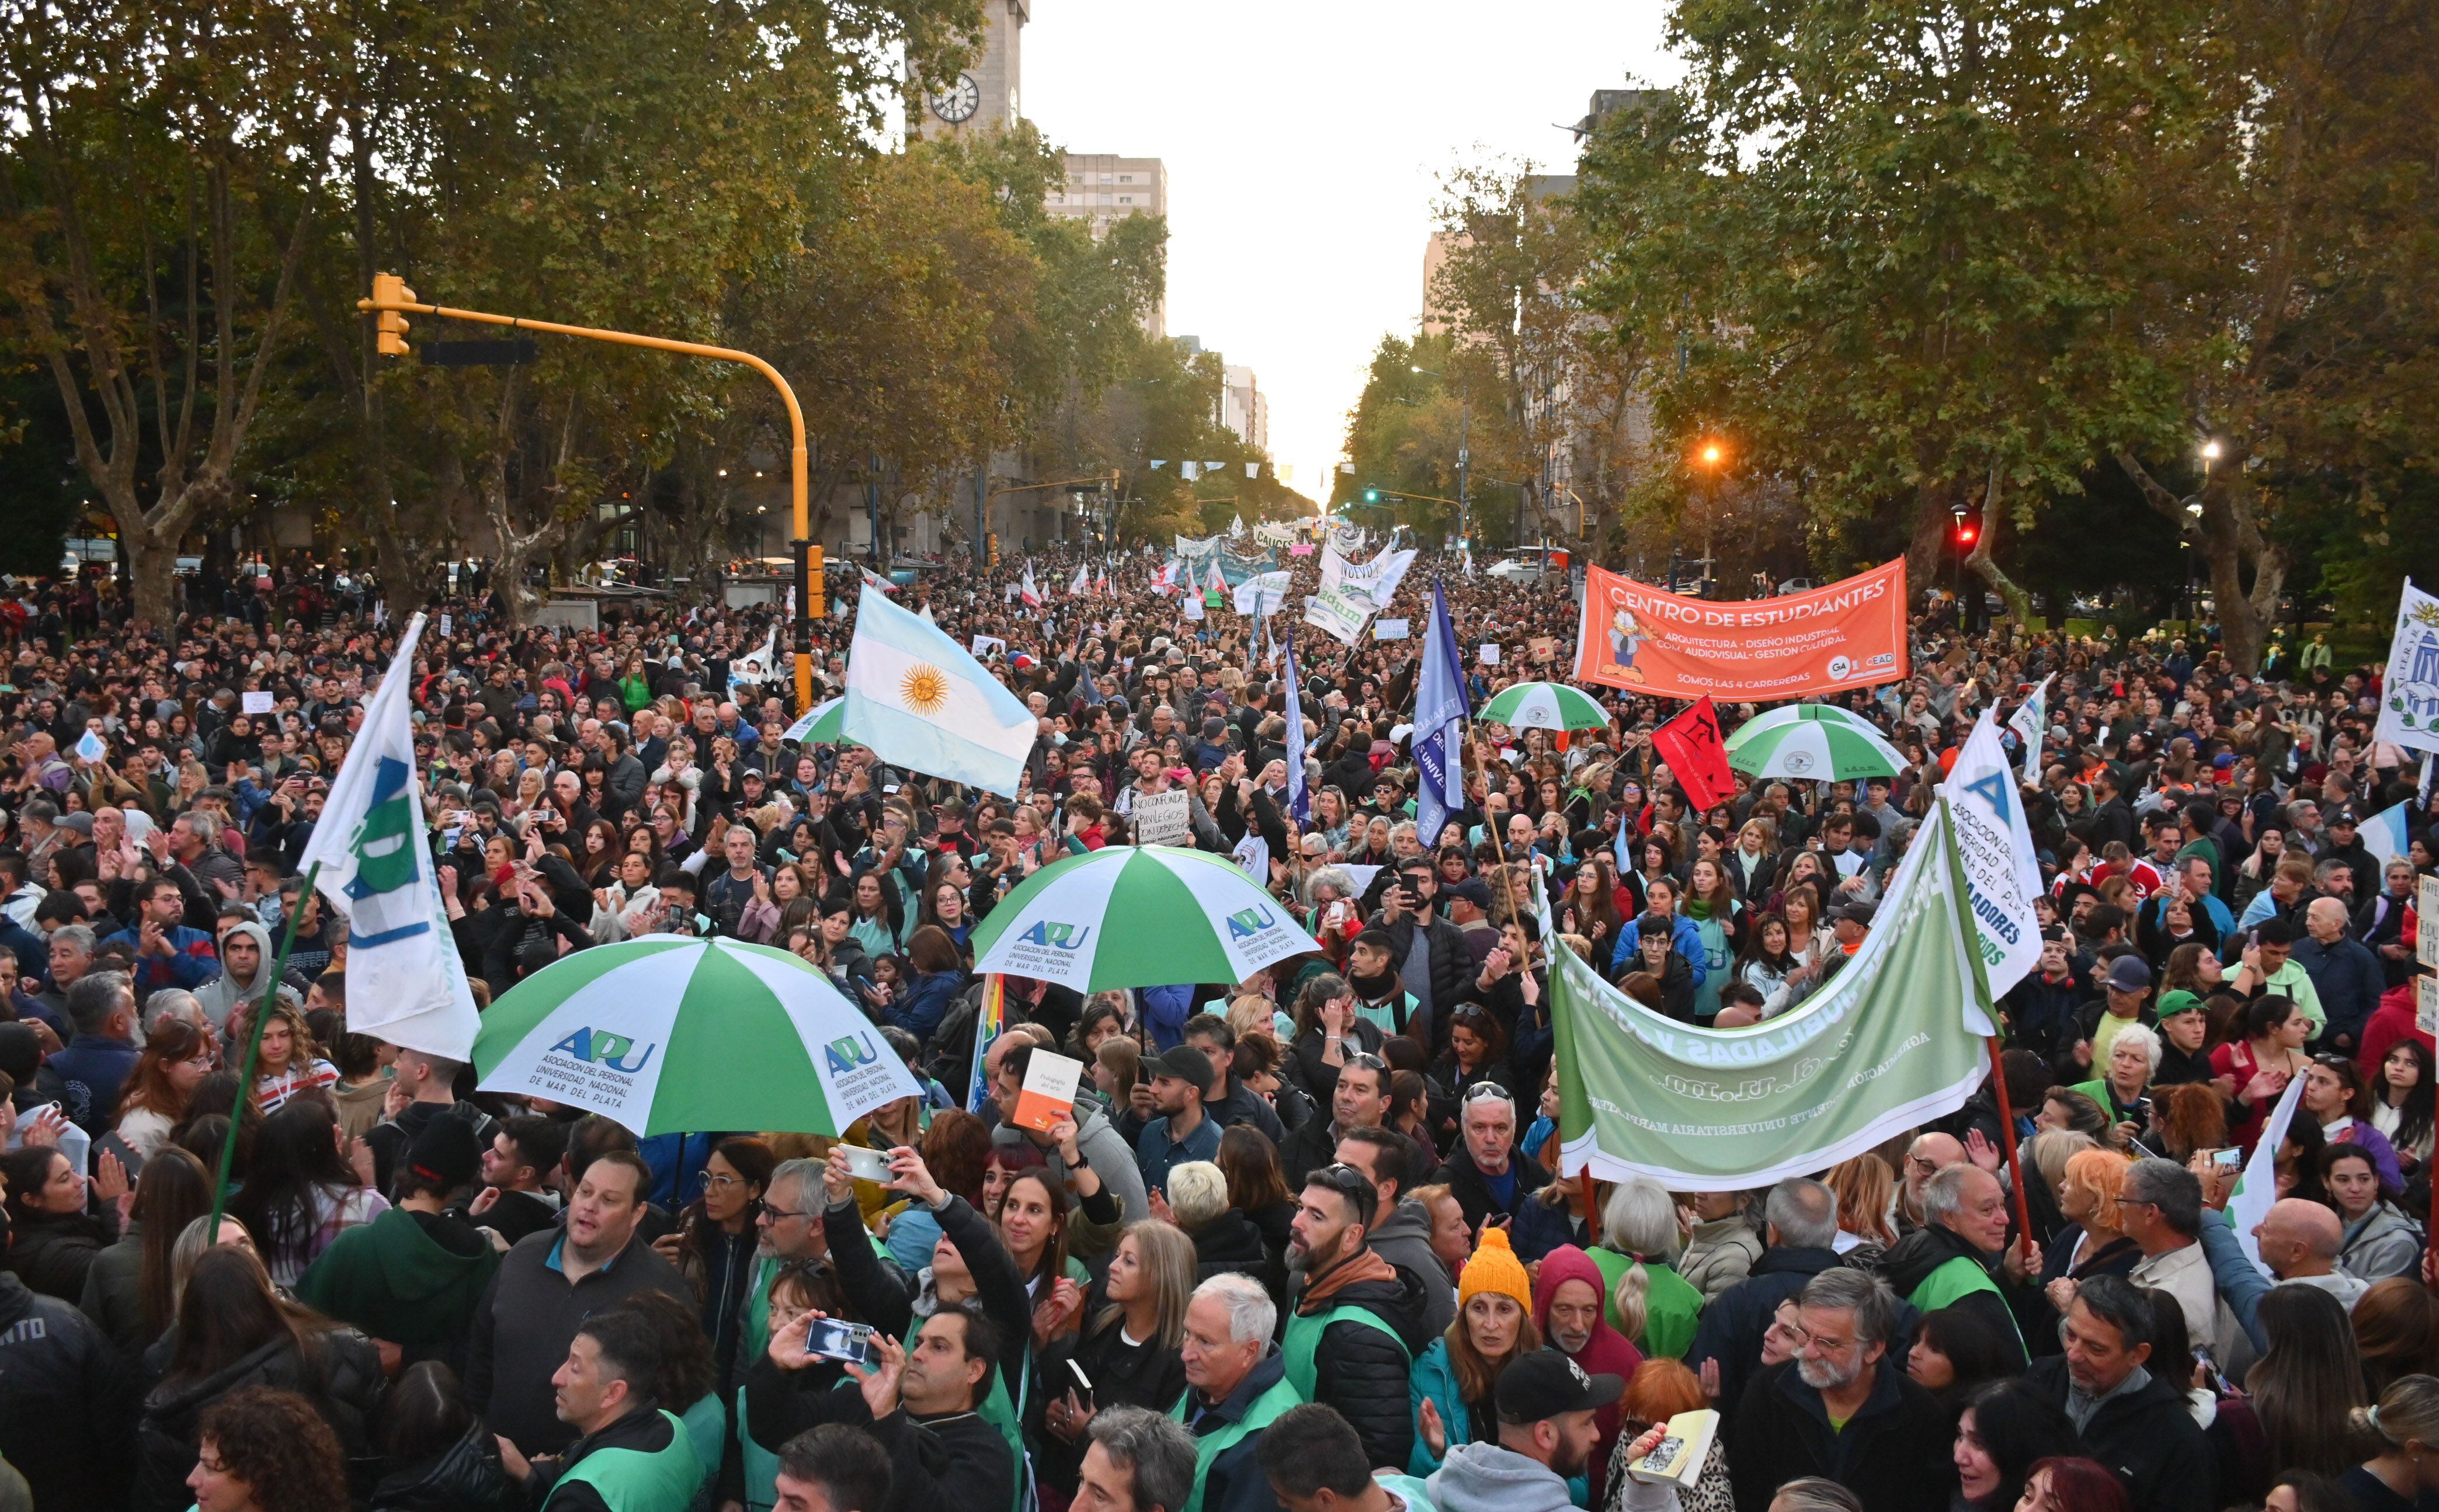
(1440, 709)
(1299, 802)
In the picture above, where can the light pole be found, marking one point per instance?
(1464, 433)
(1712, 455)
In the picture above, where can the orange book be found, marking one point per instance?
(1049, 1091)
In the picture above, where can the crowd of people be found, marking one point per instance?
(1302, 1242)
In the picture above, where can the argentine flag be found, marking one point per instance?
(918, 700)
(2385, 834)
(405, 982)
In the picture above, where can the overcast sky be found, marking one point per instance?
(1303, 140)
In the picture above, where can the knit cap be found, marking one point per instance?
(1494, 1267)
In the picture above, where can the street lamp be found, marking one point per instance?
(1711, 455)
(1464, 433)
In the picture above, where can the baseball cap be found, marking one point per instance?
(1544, 1383)
(2172, 1004)
(1186, 1064)
(1853, 914)
(2127, 973)
(446, 1152)
(1473, 890)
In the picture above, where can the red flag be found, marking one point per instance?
(1696, 752)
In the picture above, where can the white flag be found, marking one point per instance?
(406, 983)
(1082, 583)
(2031, 721)
(2409, 694)
(1996, 846)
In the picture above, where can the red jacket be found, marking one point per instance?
(2389, 1022)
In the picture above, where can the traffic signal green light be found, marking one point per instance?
(1371, 496)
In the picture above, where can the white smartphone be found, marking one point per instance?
(868, 1165)
(830, 1339)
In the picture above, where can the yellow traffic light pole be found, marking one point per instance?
(394, 300)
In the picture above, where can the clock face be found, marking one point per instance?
(958, 102)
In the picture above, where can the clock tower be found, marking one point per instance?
(985, 96)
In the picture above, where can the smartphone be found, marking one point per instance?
(830, 1339)
(2229, 1159)
(868, 1165)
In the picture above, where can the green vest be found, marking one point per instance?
(1208, 1449)
(629, 1480)
(1303, 1341)
(1416, 1492)
(1955, 1280)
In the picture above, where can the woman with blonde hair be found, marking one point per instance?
(1650, 1303)
(1866, 1190)
(1128, 1349)
(2404, 1432)
(2093, 1242)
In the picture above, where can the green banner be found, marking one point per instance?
(1891, 1041)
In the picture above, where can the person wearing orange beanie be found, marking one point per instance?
(1455, 1380)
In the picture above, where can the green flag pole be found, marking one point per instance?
(253, 1049)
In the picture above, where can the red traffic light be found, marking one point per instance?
(1965, 535)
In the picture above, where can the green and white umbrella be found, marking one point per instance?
(1138, 915)
(1545, 707)
(666, 1034)
(819, 725)
(1813, 743)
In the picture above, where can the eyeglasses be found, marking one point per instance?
(724, 1182)
(775, 1213)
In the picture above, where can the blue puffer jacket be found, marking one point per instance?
(925, 1005)
(1684, 938)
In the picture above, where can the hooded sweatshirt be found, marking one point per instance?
(1486, 1478)
(412, 1280)
(221, 995)
(1607, 1353)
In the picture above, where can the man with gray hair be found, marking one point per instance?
(1802, 1231)
(1843, 1409)
(87, 1077)
(1235, 1386)
(2161, 1209)
(791, 1234)
(1138, 1461)
(1960, 1256)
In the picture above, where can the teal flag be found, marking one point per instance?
(1893, 1040)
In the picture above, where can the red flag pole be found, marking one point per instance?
(2008, 1139)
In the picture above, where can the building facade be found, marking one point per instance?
(1103, 187)
(988, 95)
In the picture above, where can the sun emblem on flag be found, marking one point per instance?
(923, 689)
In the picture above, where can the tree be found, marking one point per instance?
(2279, 250)
(166, 165)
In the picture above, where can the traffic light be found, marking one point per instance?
(1371, 496)
(389, 289)
(1966, 531)
(816, 595)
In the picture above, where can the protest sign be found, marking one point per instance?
(1164, 819)
(1849, 634)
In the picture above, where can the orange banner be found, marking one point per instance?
(1849, 634)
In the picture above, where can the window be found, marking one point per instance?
(1126, 178)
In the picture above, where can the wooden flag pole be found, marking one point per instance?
(253, 1048)
(2008, 1139)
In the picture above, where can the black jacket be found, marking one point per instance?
(1230, 1242)
(1734, 1321)
(2148, 1438)
(955, 1461)
(465, 1477)
(341, 1379)
(1915, 1257)
(65, 1398)
(525, 1321)
(1465, 1181)
(53, 1252)
(1895, 1454)
(643, 1432)
(1361, 1371)
(1452, 972)
(1309, 1147)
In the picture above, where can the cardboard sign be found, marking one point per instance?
(256, 702)
(2426, 922)
(1389, 629)
(1049, 1091)
(1545, 648)
(2426, 1004)
(1164, 819)
(1490, 653)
